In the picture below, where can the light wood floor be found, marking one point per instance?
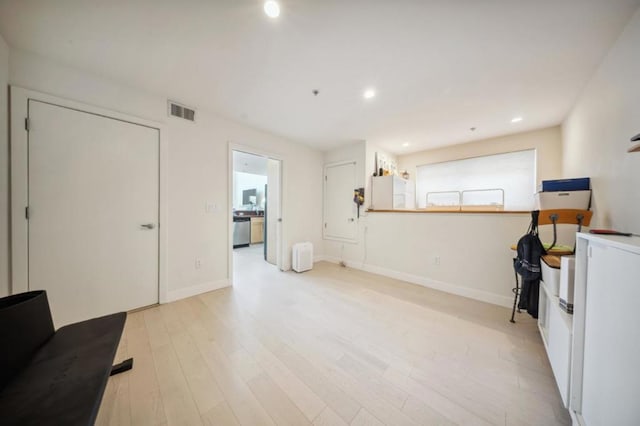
(332, 346)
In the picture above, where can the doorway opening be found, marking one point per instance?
(255, 211)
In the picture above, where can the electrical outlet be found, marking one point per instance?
(198, 263)
(436, 260)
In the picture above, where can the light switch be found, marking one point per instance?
(210, 207)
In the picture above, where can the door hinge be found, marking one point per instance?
(325, 178)
(27, 124)
(325, 224)
(26, 212)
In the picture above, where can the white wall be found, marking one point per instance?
(197, 169)
(4, 170)
(547, 143)
(473, 249)
(474, 258)
(597, 132)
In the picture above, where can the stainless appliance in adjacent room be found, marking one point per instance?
(241, 231)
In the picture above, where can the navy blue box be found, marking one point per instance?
(577, 184)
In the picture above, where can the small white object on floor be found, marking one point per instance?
(302, 257)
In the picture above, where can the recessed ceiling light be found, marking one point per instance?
(272, 9)
(516, 119)
(369, 94)
(406, 144)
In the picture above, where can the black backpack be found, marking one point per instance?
(527, 264)
(530, 250)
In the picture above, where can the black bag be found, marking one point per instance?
(527, 264)
(529, 297)
(530, 250)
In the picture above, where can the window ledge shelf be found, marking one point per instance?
(456, 210)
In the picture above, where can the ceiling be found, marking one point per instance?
(439, 67)
(248, 163)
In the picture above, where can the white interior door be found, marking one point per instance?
(339, 208)
(93, 212)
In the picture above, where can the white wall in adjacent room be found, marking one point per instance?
(597, 133)
(4, 170)
(243, 181)
(198, 169)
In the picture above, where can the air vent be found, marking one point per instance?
(181, 111)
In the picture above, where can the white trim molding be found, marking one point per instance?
(281, 258)
(183, 293)
(322, 258)
(324, 199)
(480, 295)
(19, 104)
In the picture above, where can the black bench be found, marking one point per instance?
(53, 377)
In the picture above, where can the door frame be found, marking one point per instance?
(19, 111)
(280, 229)
(324, 199)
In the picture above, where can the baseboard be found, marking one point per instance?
(332, 259)
(183, 293)
(471, 293)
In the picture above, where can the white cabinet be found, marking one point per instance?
(605, 378)
(556, 328)
(391, 192)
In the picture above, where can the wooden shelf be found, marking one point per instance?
(634, 148)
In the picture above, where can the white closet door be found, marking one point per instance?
(93, 212)
(339, 208)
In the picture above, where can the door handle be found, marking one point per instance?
(148, 225)
(351, 219)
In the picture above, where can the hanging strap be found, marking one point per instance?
(554, 221)
(533, 227)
